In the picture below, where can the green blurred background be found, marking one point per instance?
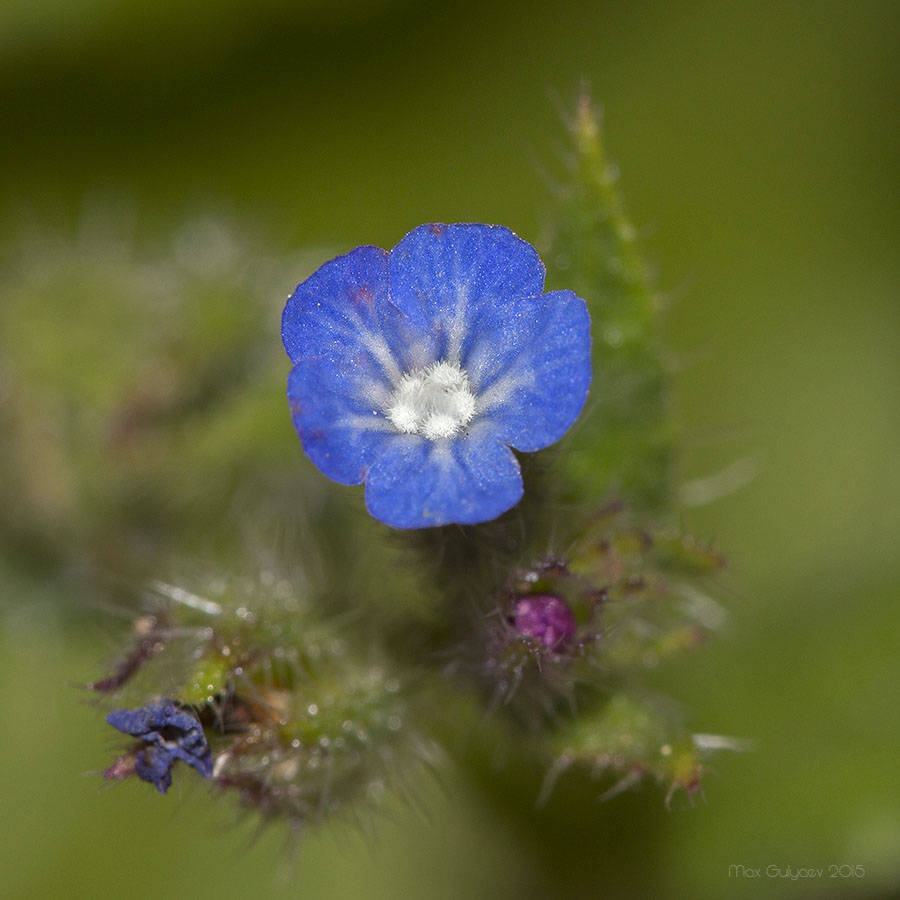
(210, 145)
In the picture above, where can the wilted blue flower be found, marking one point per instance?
(416, 370)
(170, 733)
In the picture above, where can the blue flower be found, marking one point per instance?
(416, 370)
(170, 733)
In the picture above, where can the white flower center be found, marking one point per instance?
(436, 402)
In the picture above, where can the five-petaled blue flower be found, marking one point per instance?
(169, 733)
(416, 370)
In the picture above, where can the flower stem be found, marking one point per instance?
(623, 445)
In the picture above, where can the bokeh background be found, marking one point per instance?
(171, 170)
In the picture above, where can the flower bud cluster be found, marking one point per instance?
(263, 698)
(564, 653)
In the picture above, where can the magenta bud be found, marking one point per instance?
(544, 618)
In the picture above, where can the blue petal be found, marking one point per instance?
(154, 764)
(344, 309)
(349, 345)
(530, 364)
(129, 721)
(337, 409)
(442, 276)
(342, 298)
(146, 721)
(419, 483)
(196, 755)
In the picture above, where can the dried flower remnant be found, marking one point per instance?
(168, 733)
